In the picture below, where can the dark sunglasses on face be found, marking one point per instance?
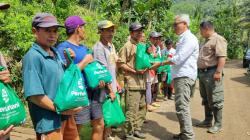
(177, 23)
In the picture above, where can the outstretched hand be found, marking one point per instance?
(141, 71)
(155, 66)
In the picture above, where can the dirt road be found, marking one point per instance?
(163, 123)
(236, 116)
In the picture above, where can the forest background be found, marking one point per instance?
(230, 17)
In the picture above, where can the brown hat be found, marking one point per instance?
(4, 6)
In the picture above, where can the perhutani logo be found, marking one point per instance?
(99, 66)
(5, 96)
(80, 84)
(9, 107)
(100, 72)
(81, 93)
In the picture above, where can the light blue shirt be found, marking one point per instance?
(186, 56)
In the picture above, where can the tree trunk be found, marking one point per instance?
(125, 5)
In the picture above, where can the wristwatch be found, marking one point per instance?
(218, 72)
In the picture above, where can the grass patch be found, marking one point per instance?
(86, 132)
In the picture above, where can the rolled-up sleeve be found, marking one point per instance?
(99, 55)
(122, 56)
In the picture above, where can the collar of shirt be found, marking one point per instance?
(109, 46)
(133, 41)
(42, 51)
(184, 33)
(212, 36)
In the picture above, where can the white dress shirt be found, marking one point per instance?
(186, 56)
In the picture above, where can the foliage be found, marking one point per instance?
(153, 14)
(244, 8)
(226, 20)
(121, 36)
(231, 19)
(228, 16)
(16, 36)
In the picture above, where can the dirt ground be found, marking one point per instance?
(163, 123)
(236, 115)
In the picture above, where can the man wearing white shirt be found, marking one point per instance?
(184, 73)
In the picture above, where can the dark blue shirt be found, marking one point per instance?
(80, 51)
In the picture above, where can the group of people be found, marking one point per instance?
(157, 80)
(44, 65)
(205, 62)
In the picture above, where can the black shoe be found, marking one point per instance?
(177, 136)
(204, 124)
(129, 137)
(139, 135)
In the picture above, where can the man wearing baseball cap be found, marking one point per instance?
(76, 33)
(5, 78)
(42, 73)
(104, 52)
(154, 49)
(135, 84)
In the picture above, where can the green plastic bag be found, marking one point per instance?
(112, 112)
(142, 58)
(165, 68)
(12, 110)
(71, 92)
(169, 80)
(95, 72)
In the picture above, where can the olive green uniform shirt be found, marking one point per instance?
(127, 56)
(215, 46)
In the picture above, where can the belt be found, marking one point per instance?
(207, 69)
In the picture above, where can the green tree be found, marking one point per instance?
(15, 29)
